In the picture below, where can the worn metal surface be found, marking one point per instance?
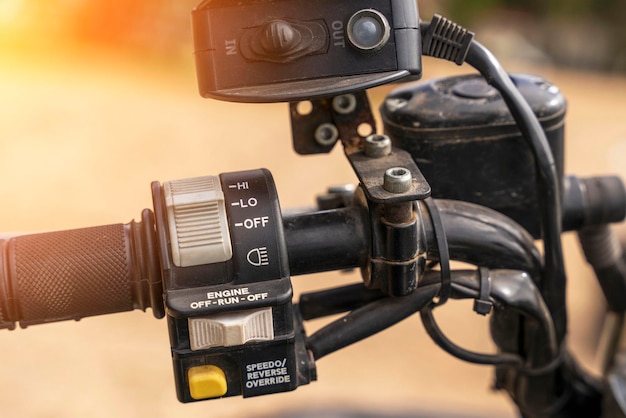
(371, 173)
(351, 114)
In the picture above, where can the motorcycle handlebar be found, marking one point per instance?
(92, 271)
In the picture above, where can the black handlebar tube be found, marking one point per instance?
(593, 201)
(484, 237)
(334, 239)
(339, 238)
(93, 271)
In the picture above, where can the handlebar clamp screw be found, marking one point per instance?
(398, 180)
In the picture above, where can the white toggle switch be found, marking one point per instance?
(197, 220)
(230, 329)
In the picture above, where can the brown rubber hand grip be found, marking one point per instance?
(74, 274)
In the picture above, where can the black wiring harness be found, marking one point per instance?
(447, 40)
(550, 381)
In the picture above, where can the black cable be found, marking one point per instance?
(515, 290)
(442, 247)
(443, 342)
(369, 320)
(444, 39)
(553, 286)
(571, 389)
(511, 289)
(309, 249)
(337, 300)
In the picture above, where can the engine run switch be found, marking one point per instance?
(231, 329)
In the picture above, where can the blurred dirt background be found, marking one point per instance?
(99, 99)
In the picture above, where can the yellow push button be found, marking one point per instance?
(206, 382)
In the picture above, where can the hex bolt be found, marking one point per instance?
(326, 134)
(344, 104)
(398, 180)
(377, 146)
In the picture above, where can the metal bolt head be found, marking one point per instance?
(326, 134)
(398, 180)
(344, 104)
(377, 146)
